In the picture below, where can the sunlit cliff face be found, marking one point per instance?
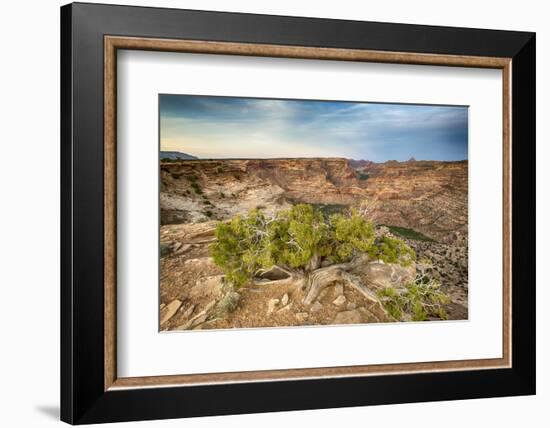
(428, 196)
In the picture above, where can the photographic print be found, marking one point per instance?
(289, 212)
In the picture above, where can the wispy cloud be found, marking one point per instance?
(218, 127)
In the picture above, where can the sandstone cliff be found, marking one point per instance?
(427, 196)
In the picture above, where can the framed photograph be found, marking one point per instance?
(265, 213)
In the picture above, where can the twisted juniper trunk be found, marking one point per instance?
(313, 279)
(326, 276)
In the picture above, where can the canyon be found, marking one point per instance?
(428, 196)
(423, 202)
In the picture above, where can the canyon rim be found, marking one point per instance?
(279, 213)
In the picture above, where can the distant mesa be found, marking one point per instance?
(176, 156)
(362, 163)
(412, 159)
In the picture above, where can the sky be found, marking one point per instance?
(233, 127)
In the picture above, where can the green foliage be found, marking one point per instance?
(392, 250)
(219, 170)
(409, 233)
(352, 234)
(196, 188)
(419, 300)
(240, 247)
(298, 238)
(362, 176)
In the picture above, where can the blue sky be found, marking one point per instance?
(227, 127)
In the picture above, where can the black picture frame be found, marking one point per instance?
(83, 398)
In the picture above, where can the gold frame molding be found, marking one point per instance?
(113, 43)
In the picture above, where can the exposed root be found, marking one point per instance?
(324, 277)
(316, 281)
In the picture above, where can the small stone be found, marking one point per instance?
(322, 294)
(340, 300)
(199, 320)
(183, 248)
(176, 246)
(302, 316)
(271, 305)
(284, 300)
(351, 306)
(285, 309)
(316, 307)
(196, 320)
(189, 311)
(169, 311)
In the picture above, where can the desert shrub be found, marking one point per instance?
(227, 304)
(238, 246)
(299, 238)
(165, 249)
(196, 188)
(208, 213)
(219, 170)
(392, 250)
(352, 234)
(362, 176)
(222, 195)
(420, 299)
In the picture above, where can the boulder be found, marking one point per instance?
(340, 300)
(381, 275)
(316, 307)
(189, 311)
(169, 311)
(275, 273)
(348, 317)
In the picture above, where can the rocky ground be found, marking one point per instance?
(194, 294)
(428, 197)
